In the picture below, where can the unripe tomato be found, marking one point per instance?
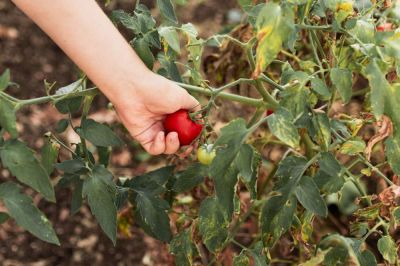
(385, 27)
(269, 112)
(345, 6)
(181, 123)
(206, 154)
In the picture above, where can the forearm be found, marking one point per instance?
(89, 38)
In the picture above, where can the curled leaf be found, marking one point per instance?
(385, 130)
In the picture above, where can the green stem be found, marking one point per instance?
(375, 169)
(224, 95)
(257, 115)
(55, 98)
(314, 27)
(265, 78)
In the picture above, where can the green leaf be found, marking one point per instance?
(241, 260)
(152, 216)
(353, 146)
(70, 105)
(367, 258)
(246, 5)
(228, 146)
(182, 246)
(171, 37)
(379, 88)
(100, 192)
(307, 194)
(151, 183)
(4, 79)
(167, 10)
(99, 134)
(348, 194)
(21, 162)
(336, 256)
(281, 124)
(342, 80)
(49, 154)
(126, 20)
(387, 247)
(186, 180)
(4, 217)
(273, 27)
(144, 52)
(8, 119)
(392, 148)
(76, 201)
(258, 255)
(319, 86)
(329, 177)
(213, 225)
(364, 30)
(248, 163)
(62, 126)
(20, 207)
(74, 166)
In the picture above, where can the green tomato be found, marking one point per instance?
(206, 154)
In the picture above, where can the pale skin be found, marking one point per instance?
(141, 98)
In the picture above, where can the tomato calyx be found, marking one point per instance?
(181, 123)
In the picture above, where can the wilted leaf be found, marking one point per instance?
(183, 248)
(281, 125)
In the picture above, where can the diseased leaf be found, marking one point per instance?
(342, 80)
(152, 216)
(281, 125)
(273, 25)
(248, 162)
(20, 207)
(387, 247)
(21, 162)
(182, 246)
(213, 225)
(241, 260)
(353, 146)
(171, 37)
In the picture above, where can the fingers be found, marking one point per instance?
(172, 143)
(188, 102)
(157, 146)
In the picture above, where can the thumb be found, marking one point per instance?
(188, 102)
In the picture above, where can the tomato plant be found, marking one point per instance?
(181, 123)
(308, 63)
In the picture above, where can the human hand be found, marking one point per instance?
(143, 107)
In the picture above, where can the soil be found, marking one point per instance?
(32, 58)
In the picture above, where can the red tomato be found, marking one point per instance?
(269, 112)
(180, 122)
(385, 27)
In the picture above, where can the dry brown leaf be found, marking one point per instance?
(385, 130)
